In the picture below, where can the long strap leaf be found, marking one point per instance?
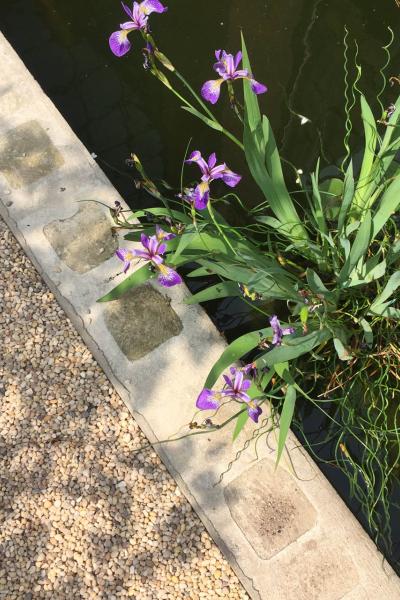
(264, 163)
(220, 290)
(358, 249)
(367, 171)
(389, 204)
(293, 348)
(348, 194)
(286, 419)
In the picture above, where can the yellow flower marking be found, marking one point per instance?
(164, 270)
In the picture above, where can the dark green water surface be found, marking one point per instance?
(116, 108)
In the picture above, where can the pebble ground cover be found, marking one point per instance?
(81, 514)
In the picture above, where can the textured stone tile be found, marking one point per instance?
(141, 320)
(84, 240)
(316, 570)
(269, 508)
(27, 154)
(10, 100)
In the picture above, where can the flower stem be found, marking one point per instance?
(217, 225)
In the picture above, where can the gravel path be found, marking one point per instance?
(81, 516)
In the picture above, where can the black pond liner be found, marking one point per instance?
(116, 108)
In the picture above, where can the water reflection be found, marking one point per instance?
(115, 107)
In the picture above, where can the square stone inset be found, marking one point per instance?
(84, 240)
(319, 569)
(141, 321)
(27, 154)
(269, 508)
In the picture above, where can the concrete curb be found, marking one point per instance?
(286, 537)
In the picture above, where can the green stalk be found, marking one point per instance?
(212, 215)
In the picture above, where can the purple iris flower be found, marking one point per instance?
(210, 171)
(163, 235)
(227, 68)
(119, 42)
(235, 389)
(278, 331)
(153, 249)
(250, 369)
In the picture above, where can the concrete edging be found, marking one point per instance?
(286, 537)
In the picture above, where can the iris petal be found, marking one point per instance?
(168, 277)
(238, 59)
(287, 330)
(275, 323)
(230, 178)
(241, 74)
(238, 381)
(217, 172)
(211, 90)
(141, 254)
(145, 241)
(230, 64)
(258, 88)
(228, 381)
(202, 195)
(129, 26)
(196, 157)
(127, 10)
(150, 6)
(157, 260)
(254, 412)
(212, 160)
(207, 400)
(220, 68)
(119, 43)
(163, 235)
(121, 253)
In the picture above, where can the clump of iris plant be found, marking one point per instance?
(337, 270)
(235, 388)
(227, 68)
(119, 42)
(153, 250)
(210, 171)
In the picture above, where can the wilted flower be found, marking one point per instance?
(278, 331)
(148, 56)
(210, 172)
(235, 389)
(227, 69)
(152, 252)
(119, 42)
(188, 194)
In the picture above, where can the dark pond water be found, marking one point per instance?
(116, 108)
